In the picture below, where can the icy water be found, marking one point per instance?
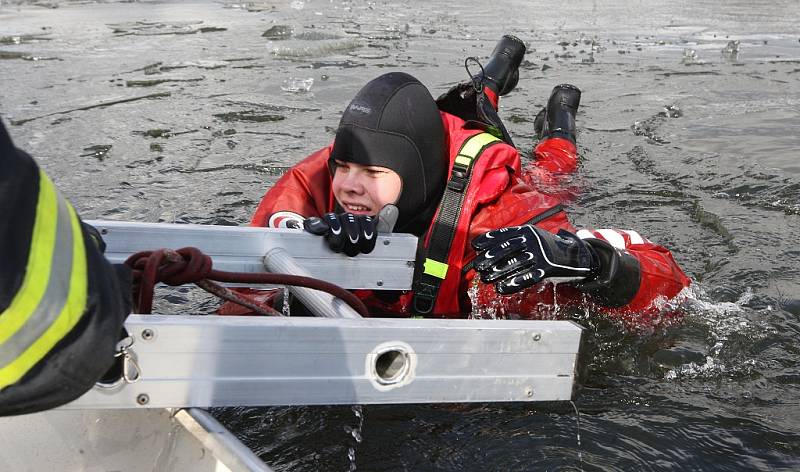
(689, 132)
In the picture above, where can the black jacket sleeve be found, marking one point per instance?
(58, 330)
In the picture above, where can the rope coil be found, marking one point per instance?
(190, 265)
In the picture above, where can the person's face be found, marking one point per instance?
(364, 190)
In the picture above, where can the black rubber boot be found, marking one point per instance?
(557, 120)
(501, 72)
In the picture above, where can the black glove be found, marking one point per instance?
(521, 256)
(345, 232)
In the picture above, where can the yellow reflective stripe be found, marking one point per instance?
(75, 303)
(473, 146)
(463, 160)
(435, 268)
(37, 271)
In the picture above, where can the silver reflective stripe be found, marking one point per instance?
(613, 237)
(55, 295)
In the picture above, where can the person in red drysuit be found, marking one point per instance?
(457, 181)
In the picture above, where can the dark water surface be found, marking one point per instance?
(184, 112)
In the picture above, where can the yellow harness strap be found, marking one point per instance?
(435, 267)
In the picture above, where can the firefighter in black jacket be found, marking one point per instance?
(62, 305)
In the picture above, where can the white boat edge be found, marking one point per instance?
(145, 440)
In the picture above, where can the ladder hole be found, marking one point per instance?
(392, 366)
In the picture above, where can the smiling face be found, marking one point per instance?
(364, 190)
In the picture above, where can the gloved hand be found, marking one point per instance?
(520, 256)
(345, 232)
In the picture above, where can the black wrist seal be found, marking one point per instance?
(618, 278)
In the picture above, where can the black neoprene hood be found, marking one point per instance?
(393, 122)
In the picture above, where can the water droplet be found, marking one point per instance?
(578, 434)
(355, 433)
(286, 305)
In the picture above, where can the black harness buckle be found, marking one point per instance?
(458, 180)
(424, 297)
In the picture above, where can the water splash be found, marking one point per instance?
(472, 293)
(728, 328)
(483, 311)
(355, 433)
(578, 434)
(556, 306)
(694, 370)
(502, 307)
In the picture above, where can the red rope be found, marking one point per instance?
(190, 265)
